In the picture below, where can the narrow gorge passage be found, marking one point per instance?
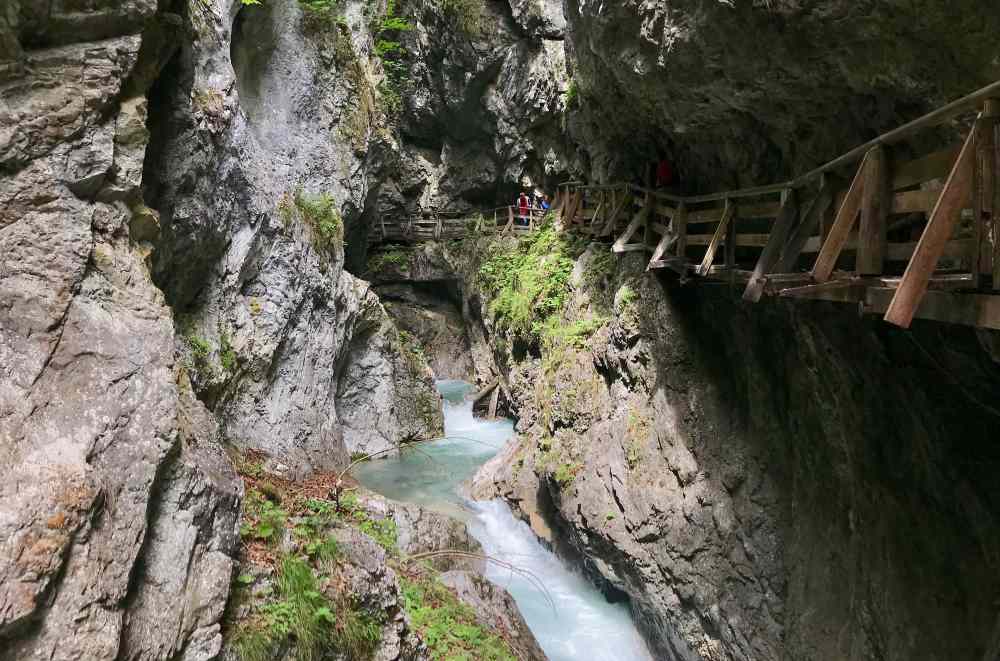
(570, 618)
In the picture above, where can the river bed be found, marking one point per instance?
(571, 619)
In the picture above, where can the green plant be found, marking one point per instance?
(447, 626)
(320, 212)
(263, 519)
(572, 94)
(626, 296)
(300, 612)
(383, 531)
(321, 15)
(530, 283)
(200, 350)
(567, 472)
(393, 55)
(392, 257)
(227, 355)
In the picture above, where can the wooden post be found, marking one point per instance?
(810, 222)
(841, 228)
(875, 204)
(680, 225)
(775, 242)
(713, 245)
(990, 254)
(939, 229)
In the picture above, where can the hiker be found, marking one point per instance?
(664, 172)
(545, 203)
(523, 208)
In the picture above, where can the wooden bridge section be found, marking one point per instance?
(894, 231)
(443, 226)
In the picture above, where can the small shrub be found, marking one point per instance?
(321, 15)
(200, 350)
(227, 355)
(393, 257)
(383, 531)
(447, 626)
(263, 519)
(320, 212)
(626, 296)
(572, 94)
(567, 472)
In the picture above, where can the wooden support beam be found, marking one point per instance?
(808, 225)
(772, 251)
(666, 241)
(629, 247)
(679, 223)
(875, 203)
(841, 228)
(677, 264)
(720, 231)
(639, 220)
(842, 290)
(979, 310)
(609, 225)
(936, 235)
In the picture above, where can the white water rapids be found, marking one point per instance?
(571, 619)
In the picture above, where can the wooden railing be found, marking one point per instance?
(452, 226)
(897, 235)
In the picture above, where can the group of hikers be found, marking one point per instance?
(526, 205)
(536, 204)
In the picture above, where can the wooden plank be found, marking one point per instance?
(841, 229)
(842, 290)
(978, 138)
(808, 225)
(629, 247)
(874, 213)
(761, 210)
(772, 251)
(679, 223)
(731, 242)
(915, 201)
(979, 310)
(993, 106)
(743, 240)
(925, 168)
(936, 235)
(713, 245)
(678, 264)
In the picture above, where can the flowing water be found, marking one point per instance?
(570, 619)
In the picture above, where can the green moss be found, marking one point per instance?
(201, 349)
(321, 15)
(447, 626)
(572, 94)
(383, 531)
(626, 297)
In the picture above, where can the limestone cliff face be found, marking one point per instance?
(778, 482)
(748, 92)
(181, 187)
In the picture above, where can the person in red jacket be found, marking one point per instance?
(524, 208)
(664, 172)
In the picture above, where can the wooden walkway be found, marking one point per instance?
(431, 227)
(893, 231)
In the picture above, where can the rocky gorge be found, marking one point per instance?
(196, 339)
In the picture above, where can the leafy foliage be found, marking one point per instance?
(393, 257)
(300, 612)
(263, 519)
(321, 15)
(227, 355)
(448, 626)
(320, 212)
(530, 284)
